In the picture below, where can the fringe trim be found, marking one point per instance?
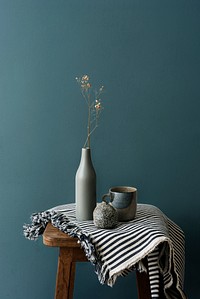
(39, 222)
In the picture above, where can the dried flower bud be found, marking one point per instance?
(101, 88)
(98, 106)
(85, 78)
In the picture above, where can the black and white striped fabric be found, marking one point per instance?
(118, 251)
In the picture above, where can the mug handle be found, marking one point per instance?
(106, 195)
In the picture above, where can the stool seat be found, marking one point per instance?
(71, 252)
(53, 237)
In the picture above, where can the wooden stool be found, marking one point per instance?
(70, 253)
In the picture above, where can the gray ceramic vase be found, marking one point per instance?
(85, 187)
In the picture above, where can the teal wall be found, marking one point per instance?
(146, 53)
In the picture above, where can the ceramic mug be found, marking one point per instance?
(124, 200)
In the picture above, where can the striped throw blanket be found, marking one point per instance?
(118, 251)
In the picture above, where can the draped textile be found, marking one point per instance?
(120, 250)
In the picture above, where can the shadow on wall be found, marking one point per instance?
(88, 286)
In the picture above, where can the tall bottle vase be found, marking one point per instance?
(85, 187)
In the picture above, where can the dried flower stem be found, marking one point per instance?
(94, 107)
(88, 127)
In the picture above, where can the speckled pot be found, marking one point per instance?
(105, 216)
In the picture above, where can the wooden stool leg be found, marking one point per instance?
(143, 284)
(71, 280)
(65, 274)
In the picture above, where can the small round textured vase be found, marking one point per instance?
(105, 216)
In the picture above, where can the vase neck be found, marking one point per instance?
(86, 154)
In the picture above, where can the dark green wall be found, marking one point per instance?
(146, 53)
